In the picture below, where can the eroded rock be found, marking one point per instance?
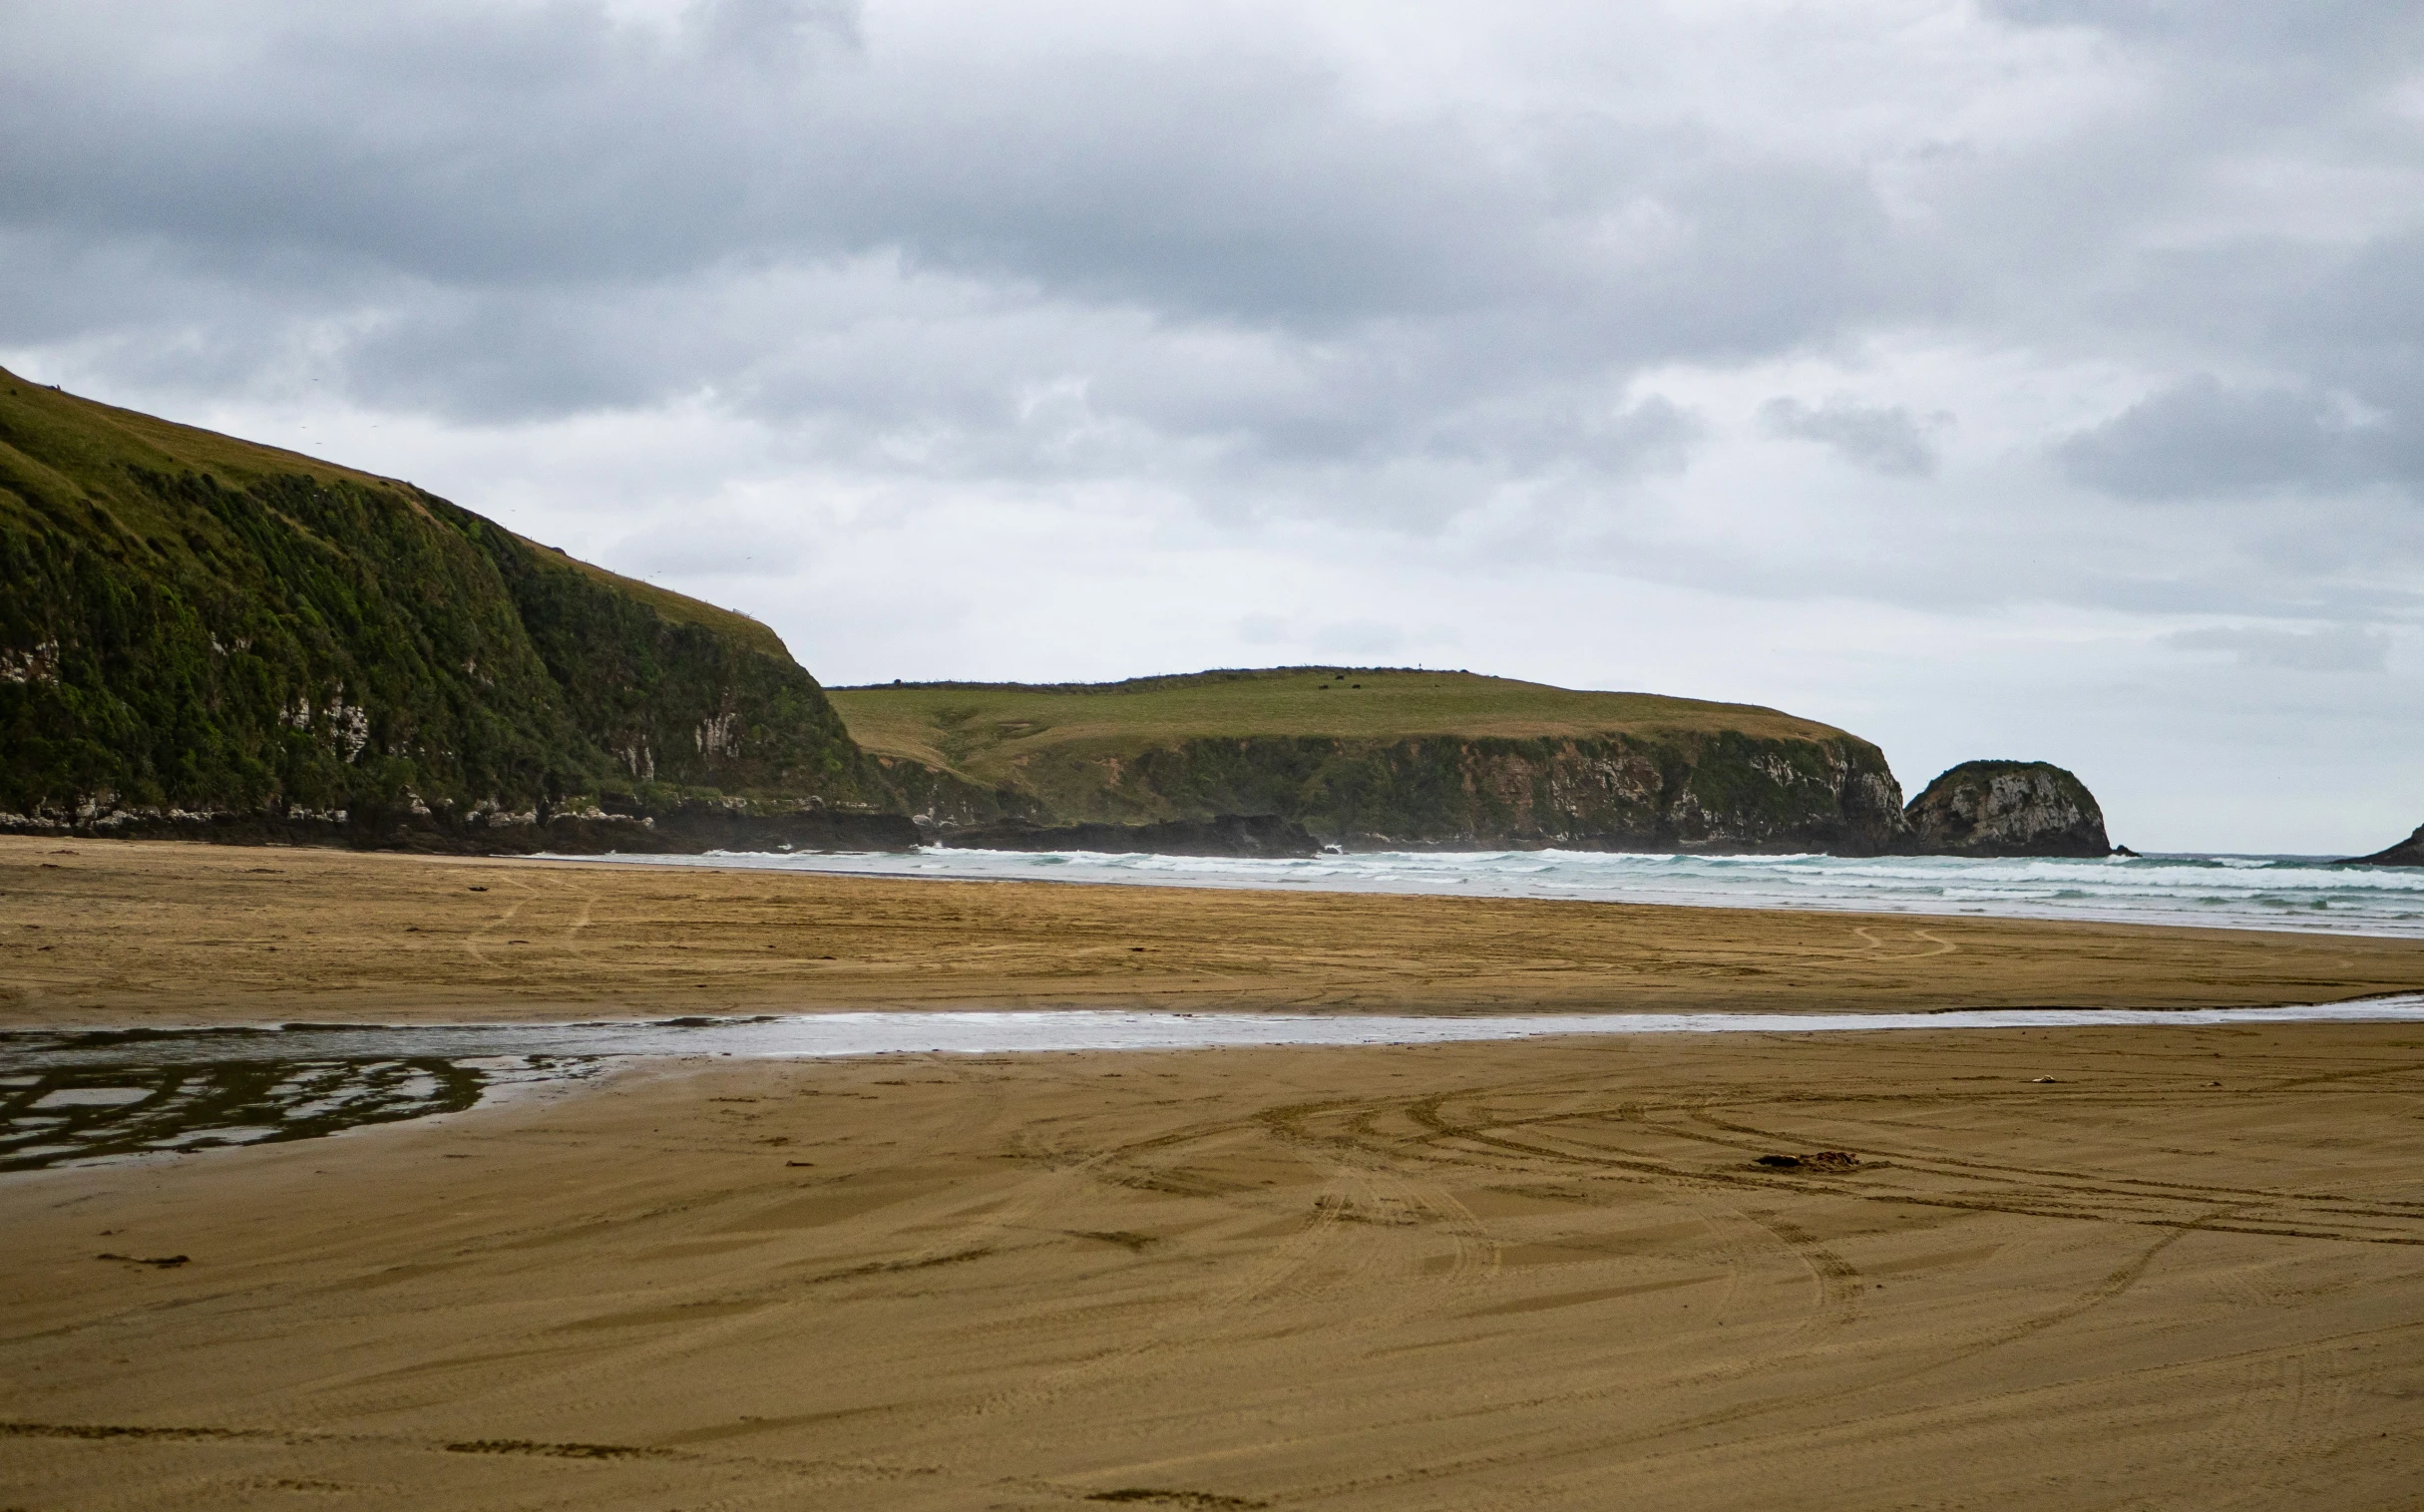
(2007, 808)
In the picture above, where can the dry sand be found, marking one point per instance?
(114, 932)
(2188, 1272)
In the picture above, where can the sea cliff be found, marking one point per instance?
(1376, 758)
(204, 636)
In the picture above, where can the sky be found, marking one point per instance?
(2035, 379)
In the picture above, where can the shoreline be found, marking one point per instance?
(1323, 875)
(138, 933)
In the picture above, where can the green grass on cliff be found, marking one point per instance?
(194, 621)
(988, 731)
(60, 449)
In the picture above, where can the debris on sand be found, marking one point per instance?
(163, 1262)
(1822, 1160)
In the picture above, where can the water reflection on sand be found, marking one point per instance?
(72, 1098)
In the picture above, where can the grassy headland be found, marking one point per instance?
(987, 731)
(1426, 757)
(197, 623)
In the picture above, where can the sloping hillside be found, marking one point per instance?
(1390, 756)
(195, 622)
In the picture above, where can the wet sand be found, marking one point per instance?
(2188, 1271)
(114, 933)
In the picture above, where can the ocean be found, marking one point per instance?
(2229, 892)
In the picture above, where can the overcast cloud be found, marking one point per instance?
(2033, 379)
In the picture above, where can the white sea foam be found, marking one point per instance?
(2231, 891)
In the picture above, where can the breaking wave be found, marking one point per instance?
(2226, 892)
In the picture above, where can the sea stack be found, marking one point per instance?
(2407, 853)
(2007, 808)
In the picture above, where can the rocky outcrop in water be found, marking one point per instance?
(2007, 808)
(2407, 853)
(1221, 834)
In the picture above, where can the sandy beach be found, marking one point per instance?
(2070, 1268)
(157, 932)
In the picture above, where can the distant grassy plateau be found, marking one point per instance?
(993, 731)
(1392, 754)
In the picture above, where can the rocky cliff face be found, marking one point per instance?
(2007, 808)
(1670, 792)
(1695, 792)
(2407, 853)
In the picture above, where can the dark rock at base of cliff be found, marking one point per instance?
(683, 829)
(2407, 853)
(1724, 792)
(1221, 834)
(2007, 808)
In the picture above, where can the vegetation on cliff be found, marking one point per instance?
(2007, 808)
(195, 622)
(1391, 757)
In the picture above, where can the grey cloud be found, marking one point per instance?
(1532, 431)
(471, 147)
(496, 216)
(2260, 28)
(2201, 439)
(776, 34)
(2338, 648)
(1888, 439)
(1213, 268)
